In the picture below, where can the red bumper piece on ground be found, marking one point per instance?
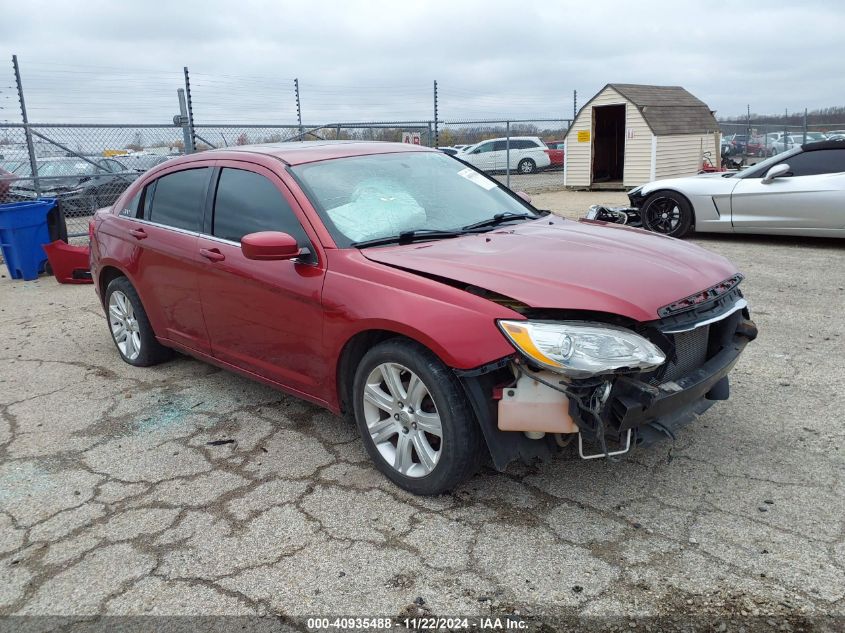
(69, 263)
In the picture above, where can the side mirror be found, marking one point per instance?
(269, 245)
(775, 172)
(524, 196)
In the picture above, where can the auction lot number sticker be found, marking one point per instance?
(422, 623)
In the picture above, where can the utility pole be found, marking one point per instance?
(29, 144)
(436, 131)
(191, 147)
(298, 106)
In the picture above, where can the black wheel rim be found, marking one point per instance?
(663, 215)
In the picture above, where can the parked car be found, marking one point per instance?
(798, 192)
(527, 154)
(437, 309)
(142, 162)
(756, 146)
(81, 184)
(555, 153)
(738, 144)
(450, 151)
(785, 143)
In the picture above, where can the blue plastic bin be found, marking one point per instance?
(23, 230)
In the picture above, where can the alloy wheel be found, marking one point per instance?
(124, 325)
(402, 420)
(663, 215)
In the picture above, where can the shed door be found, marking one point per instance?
(608, 143)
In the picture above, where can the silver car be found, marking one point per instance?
(798, 192)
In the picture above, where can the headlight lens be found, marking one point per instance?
(582, 349)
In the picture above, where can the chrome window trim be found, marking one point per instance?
(222, 240)
(739, 305)
(165, 226)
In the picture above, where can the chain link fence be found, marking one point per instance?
(84, 166)
(757, 139)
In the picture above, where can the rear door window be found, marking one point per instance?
(247, 202)
(178, 199)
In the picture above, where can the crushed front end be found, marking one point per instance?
(699, 338)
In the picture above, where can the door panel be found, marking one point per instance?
(164, 234)
(816, 202)
(263, 316)
(484, 159)
(167, 266)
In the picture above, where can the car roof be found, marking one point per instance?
(299, 152)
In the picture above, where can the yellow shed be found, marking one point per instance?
(630, 134)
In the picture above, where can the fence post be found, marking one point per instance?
(192, 146)
(805, 126)
(785, 127)
(436, 132)
(508, 154)
(430, 135)
(183, 120)
(298, 107)
(33, 165)
(574, 104)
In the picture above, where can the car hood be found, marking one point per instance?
(561, 264)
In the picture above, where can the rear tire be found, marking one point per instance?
(668, 213)
(414, 418)
(526, 166)
(130, 327)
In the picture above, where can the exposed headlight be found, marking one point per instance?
(592, 212)
(581, 349)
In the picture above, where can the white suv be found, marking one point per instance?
(528, 154)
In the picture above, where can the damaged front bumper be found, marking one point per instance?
(625, 409)
(655, 412)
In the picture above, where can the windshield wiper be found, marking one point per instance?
(498, 219)
(406, 237)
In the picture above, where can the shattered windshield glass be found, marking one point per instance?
(365, 198)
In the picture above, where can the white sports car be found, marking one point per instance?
(798, 192)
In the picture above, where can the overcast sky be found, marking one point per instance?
(122, 61)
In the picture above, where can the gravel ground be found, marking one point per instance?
(183, 489)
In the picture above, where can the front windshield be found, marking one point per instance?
(366, 198)
(758, 170)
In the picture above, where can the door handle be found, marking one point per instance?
(212, 254)
(139, 234)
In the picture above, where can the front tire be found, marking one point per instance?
(130, 327)
(526, 166)
(668, 213)
(414, 418)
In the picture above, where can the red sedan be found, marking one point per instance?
(437, 309)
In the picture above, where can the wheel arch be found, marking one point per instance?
(107, 274)
(350, 356)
